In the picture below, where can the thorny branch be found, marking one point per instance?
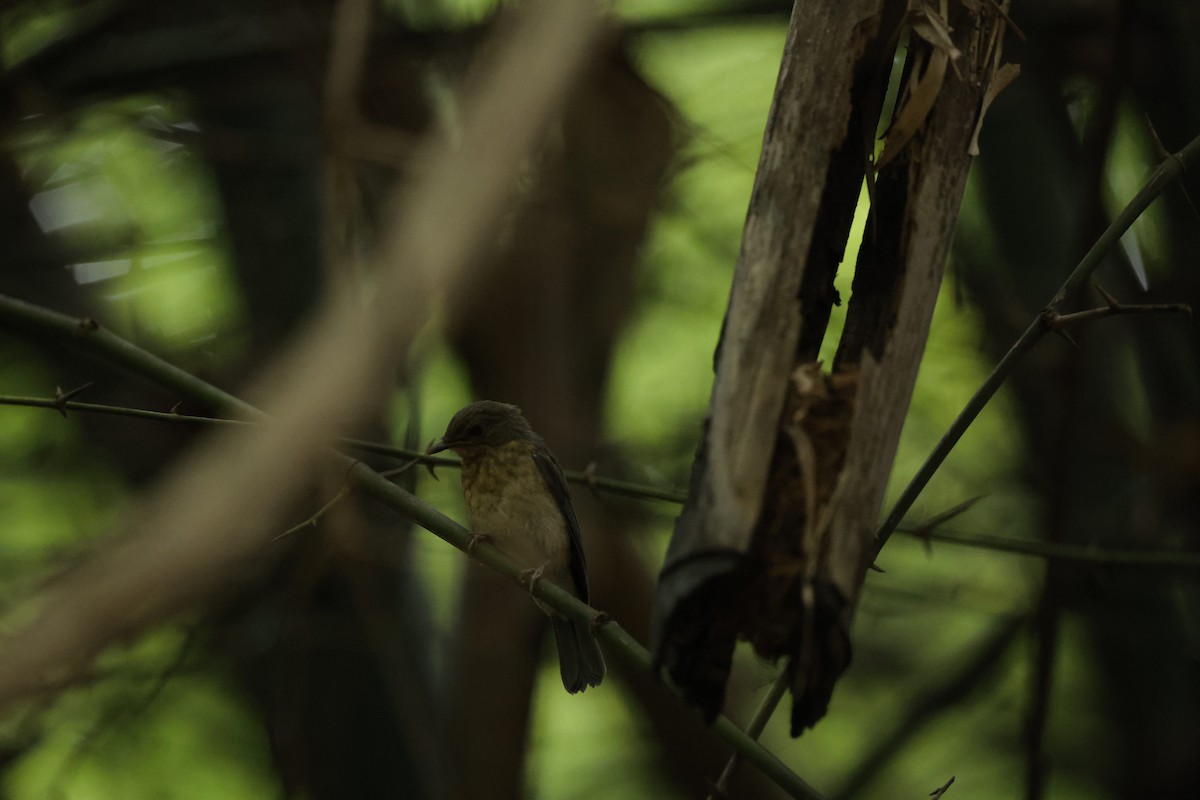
(1168, 171)
(1058, 322)
(61, 327)
(930, 530)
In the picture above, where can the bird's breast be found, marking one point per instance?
(507, 497)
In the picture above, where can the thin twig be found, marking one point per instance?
(610, 485)
(936, 794)
(86, 335)
(758, 723)
(342, 493)
(61, 398)
(926, 528)
(1056, 321)
(1015, 29)
(1167, 172)
(1142, 557)
(1156, 558)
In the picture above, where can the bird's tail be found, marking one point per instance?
(579, 658)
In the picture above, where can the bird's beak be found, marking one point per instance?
(437, 447)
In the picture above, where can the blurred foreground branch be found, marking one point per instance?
(217, 510)
(61, 327)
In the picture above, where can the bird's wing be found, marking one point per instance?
(557, 484)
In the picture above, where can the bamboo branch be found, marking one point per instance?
(928, 531)
(585, 477)
(758, 723)
(1146, 558)
(1168, 171)
(1056, 321)
(613, 635)
(61, 327)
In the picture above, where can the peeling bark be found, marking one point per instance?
(774, 549)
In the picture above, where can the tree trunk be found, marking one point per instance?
(774, 550)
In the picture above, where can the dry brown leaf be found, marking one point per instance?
(917, 105)
(1002, 78)
(931, 26)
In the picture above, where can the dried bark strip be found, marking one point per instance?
(815, 150)
(775, 550)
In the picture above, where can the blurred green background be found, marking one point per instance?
(165, 172)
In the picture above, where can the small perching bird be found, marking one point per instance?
(517, 498)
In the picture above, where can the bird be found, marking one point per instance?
(517, 498)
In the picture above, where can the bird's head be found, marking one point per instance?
(483, 424)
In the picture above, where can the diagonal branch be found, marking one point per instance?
(758, 723)
(1167, 173)
(111, 347)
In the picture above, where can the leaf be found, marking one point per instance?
(931, 26)
(916, 106)
(1000, 79)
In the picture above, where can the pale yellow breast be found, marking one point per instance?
(507, 497)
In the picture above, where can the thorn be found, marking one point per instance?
(1066, 336)
(61, 398)
(175, 408)
(951, 513)
(937, 793)
(876, 568)
(429, 465)
(601, 619)
(589, 476)
(1108, 298)
(86, 325)
(1163, 155)
(1159, 150)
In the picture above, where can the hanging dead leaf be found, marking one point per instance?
(1002, 78)
(917, 105)
(931, 25)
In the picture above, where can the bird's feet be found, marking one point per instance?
(476, 539)
(532, 576)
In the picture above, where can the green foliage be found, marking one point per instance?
(139, 209)
(113, 182)
(721, 80)
(591, 745)
(145, 731)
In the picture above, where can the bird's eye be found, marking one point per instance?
(475, 431)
